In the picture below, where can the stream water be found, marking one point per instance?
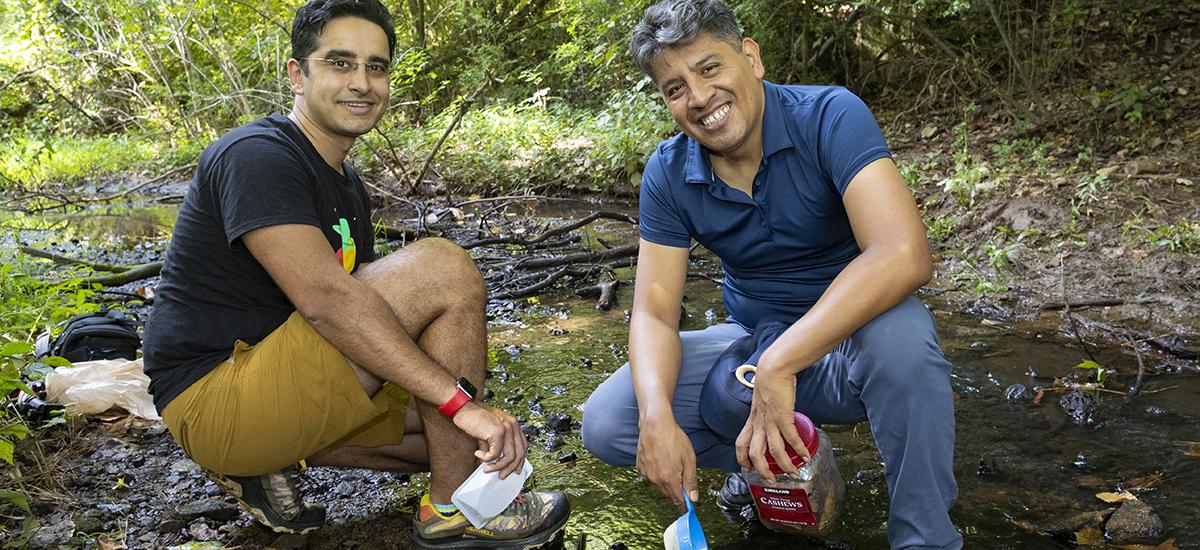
(1021, 467)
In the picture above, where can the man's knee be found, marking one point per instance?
(455, 269)
(439, 267)
(603, 431)
(900, 348)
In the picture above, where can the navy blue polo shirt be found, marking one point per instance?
(782, 248)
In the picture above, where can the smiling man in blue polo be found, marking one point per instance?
(794, 188)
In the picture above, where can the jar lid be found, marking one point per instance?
(808, 434)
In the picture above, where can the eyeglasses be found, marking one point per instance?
(344, 66)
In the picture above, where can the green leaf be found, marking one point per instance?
(13, 349)
(6, 450)
(1088, 364)
(17, 498)
(17, 429)
(56, 361)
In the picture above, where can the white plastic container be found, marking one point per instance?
(484, 495)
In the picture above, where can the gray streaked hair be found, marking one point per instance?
(670, 23)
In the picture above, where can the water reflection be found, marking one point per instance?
(1022, 468)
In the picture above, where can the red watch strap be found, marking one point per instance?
(451, 407)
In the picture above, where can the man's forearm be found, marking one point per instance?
(870, 285)
(361, 324)
(655, 354)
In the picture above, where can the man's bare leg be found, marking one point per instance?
(438, 295)
(411, 455)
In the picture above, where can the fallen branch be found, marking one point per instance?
(580, 257)
(138, 272)
(120, 274)
(605, 291)
(64, 260)
(399, 233)
(552, 232)
(1100, 302)
(534, 288)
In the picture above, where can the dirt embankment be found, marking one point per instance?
(1095, 208)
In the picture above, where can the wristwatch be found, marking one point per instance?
(465, 392)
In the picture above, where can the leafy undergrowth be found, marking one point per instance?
(1090, 200)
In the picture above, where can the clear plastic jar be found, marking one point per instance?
(804, 503)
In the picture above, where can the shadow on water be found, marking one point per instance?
(1021, 467)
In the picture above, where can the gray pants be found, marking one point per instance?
(891, 372)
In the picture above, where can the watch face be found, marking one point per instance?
(466, 387)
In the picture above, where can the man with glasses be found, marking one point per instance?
(277, 338)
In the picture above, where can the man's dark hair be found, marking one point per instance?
(670, 23)
(312, 17)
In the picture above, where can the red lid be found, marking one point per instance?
(808, 434)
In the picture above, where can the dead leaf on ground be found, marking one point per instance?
(1116, 497)
(109, 544)
(1089, 536)
(1192, 450)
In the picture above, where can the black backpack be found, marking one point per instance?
(106, 334)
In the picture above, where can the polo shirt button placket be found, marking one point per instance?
(758, 204)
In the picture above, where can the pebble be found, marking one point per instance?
(171, 526)
(200, 530)
(85, 523)
(1155, 410)
(53, 533)
(1080, 407)
(184, 466)
(558, 422)
(985, 469)
(1134, 522)
(554, 442)
(1017, 392)
(208, 508)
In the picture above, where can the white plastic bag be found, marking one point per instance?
(484, 495)
(92, 387)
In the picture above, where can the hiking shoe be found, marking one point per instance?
(273, 500)
(533, 519)
(735, 500)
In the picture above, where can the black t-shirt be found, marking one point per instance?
(213, 291)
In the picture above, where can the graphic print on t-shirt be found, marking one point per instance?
(347, 252)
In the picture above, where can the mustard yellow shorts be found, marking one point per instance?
(275, 403)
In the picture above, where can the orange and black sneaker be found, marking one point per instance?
(531, 520)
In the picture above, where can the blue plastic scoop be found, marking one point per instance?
(685, 532)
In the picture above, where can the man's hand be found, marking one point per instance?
(502, 445)
(771, 424)
(665, 457)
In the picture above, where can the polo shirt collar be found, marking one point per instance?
(698, 169)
